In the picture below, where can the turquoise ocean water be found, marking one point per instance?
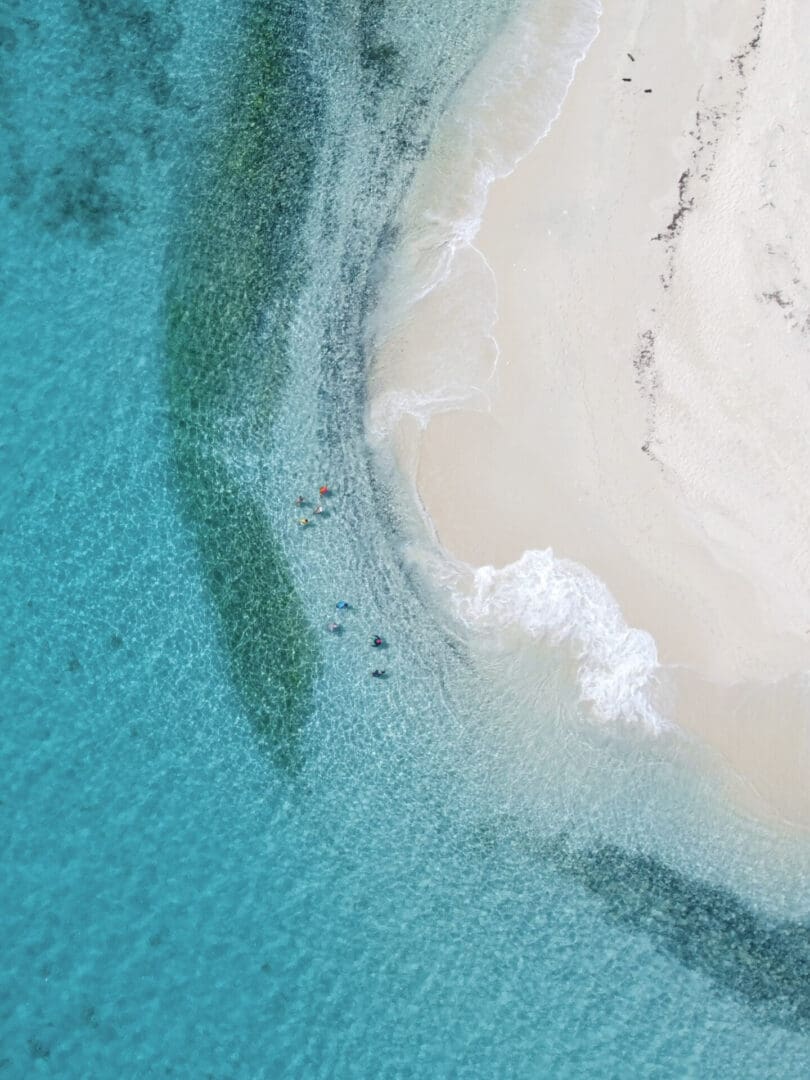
(228, 852)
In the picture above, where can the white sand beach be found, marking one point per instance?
(616, 367)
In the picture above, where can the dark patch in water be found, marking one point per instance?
(381, 61)
(128, 41)
(38, 1050)
(116, 56)
(410, 141)
(8, 39)
(89, 1016)
(226, 364)
(79, 194)
(704, 927)
(761, 962)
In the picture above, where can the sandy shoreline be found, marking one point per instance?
(635, 317)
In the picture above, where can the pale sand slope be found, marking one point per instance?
(649, 416)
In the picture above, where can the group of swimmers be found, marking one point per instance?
(300, 501)
(376, 641)
(342, 605)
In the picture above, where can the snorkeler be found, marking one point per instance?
(377, 674)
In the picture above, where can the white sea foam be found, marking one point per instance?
(504, 108)
(561, 603)
(439, 309)
(501, 112)
(388, 409)
(446, 371)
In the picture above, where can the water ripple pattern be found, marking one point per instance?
(229, 852)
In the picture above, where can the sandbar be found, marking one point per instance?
(633, 310)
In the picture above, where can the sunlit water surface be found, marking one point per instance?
(228, 851)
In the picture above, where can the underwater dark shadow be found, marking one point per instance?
(763, 963)
(234, 258)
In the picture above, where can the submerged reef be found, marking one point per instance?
(704, 927)
(763, 963)
(232, 275)
(102, 136)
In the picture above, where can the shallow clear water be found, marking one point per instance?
(342, 877)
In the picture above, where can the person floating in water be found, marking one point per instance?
(318, 509)
(341, 605)
(333, 627)
(303, 521)
(376, 641)
(377, 674)
(299, 501)
(324, 490)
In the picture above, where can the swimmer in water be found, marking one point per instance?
(376, 641)
(377, 674)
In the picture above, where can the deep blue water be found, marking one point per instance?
(178, 897)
